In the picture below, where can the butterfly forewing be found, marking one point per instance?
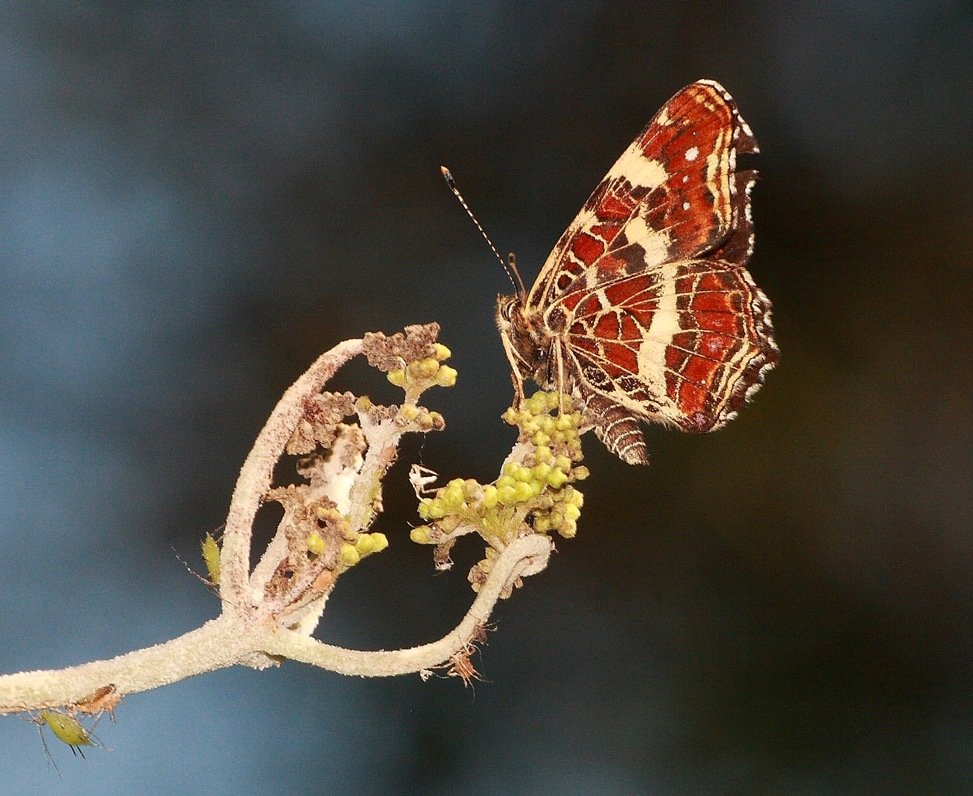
(645, 300)
(670, 195)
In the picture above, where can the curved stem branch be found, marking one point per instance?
(257, 472)
(529, 552)
(249, 633)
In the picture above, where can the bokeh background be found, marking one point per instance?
(197, 199)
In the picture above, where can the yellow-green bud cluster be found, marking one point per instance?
(457, 497)
(353, 546)
(537, 426)
(421, 374)
(367, 543)
(562, 514)
(536, 491)
(422, 418)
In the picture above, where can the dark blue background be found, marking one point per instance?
(196, 200)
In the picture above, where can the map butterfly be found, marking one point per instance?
(645, 309)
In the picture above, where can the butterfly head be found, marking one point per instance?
(527, 342)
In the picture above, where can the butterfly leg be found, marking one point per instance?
(562, 386)
(518, 383)
(516, 377)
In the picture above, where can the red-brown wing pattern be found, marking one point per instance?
(670, 196)
(683, 343)
(645, 307)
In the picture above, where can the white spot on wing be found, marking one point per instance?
(692, 153)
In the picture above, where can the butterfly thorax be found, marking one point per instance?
(528, 342)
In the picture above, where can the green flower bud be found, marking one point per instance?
(489, 498)
(506, 495)
(505, 480)
(523, 492)
(446, 377)
(537, 404)
(315, 543)
(420, 534)
(453, 496)
(522, 474)
(348, 555)
(541, 471)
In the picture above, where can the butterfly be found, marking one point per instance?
(645, 309)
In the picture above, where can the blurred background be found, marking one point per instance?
(197, 200)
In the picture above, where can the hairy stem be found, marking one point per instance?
(257, 472)
(529, 552)
(229, 641)
(217, 644)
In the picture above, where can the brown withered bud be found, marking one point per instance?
(390, 352)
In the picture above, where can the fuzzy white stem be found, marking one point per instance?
(229, 641)
(246, 634)
(257, 472)
(217, 644)
(527, 553)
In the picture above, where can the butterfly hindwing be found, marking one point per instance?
(681, 344)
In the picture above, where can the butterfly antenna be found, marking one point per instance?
(510, 264)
